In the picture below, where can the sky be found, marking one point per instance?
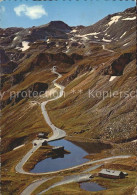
(34, 13)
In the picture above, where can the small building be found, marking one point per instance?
(54, 68)
(44, 143)
(125, 173)
(42, 135)
(108, 173)
(58, 149)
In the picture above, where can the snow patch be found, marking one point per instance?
(106, 40)
(135, 141)
(106, 28)
(18, 48)
(134, 18)
(85, 38)
(25, 45)
(48, 41)
(114, 19)
(103, 47)
(125, 44)
(112, 78)
(15, 38)
(123, 35)
(107, 35)
(67, 50)
(19, 147)
(85, 35)
(95, 33)
(72, 39)
(73, 31)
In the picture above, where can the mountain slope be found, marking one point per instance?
(98, 66)
(113, 27)
(86, 64)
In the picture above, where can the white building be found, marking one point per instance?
(54, 68)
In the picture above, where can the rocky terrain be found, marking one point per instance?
(98, 64)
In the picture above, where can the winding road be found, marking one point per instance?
(57, 134)
(33, 186)
(69, 179)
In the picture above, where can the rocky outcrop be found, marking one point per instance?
(79, 70)
(118, 65)
(39, 87)
(59, 25)
(32, 91)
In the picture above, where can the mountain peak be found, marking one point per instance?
(59, 25)
(131, 10)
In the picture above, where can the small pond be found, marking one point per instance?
(91, 186)
(78, 150)
(76, 157)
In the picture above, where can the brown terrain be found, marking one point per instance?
(99, 78)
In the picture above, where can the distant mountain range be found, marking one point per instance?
(111, 29)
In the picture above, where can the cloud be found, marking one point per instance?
(2, 9)
(33, 12)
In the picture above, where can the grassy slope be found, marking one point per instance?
(100, 118)
(12, 182)
(20, 124)
(23, 119)
(30, 78)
